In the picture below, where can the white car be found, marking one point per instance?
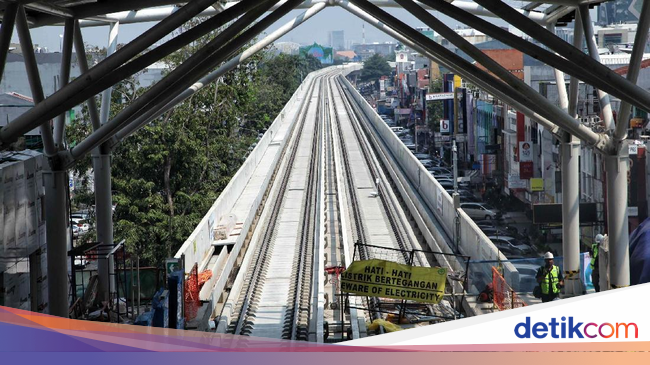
(81, 224)
(510, 242)
(478, 211)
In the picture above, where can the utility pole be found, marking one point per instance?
(454, 150)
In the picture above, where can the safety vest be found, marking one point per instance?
(594, 249)
(550, 281)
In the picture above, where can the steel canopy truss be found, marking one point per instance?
(194, 74)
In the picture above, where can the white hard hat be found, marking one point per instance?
(548, 256)
(599, 238)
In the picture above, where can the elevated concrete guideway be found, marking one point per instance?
(240, 22)
(379, 157)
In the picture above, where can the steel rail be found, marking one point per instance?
(104, 73)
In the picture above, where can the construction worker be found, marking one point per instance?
(595, 274)
(550, 279)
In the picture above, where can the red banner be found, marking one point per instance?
(526, 170)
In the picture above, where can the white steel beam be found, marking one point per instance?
(574, 84)
(103, 187)
(633, 69)
(491, 88)
(605, 104)
(155, 14)
(229, 65)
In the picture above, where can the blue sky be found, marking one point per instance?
(316, 29)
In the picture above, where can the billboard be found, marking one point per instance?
(440, 96)
(552, 213)
(323, 54)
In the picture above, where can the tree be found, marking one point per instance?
(375, 67)
(168, 174)
(434, 108)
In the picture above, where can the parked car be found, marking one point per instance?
(493, 231)
(440, 170)
(479, 211)
(485, 223)
(80, 215)
(446, 184)
(81, 224)
(504, 237)
(508, 249)
(426, 163)
(410, 146)
(422, 156)
(397, 129)
(465, 195)
(512, 246)
(461, 184)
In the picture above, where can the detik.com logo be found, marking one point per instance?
(574, 329)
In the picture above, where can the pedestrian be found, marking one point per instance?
(550, 279)
(595, 273)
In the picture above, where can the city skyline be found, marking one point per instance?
(316, 29)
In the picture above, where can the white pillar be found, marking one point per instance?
(573, 284)
(617, 167)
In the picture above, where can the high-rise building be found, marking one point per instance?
(620, 11)
(337, 40)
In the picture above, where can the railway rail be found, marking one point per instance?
(329, 191)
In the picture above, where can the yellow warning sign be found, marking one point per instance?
(386, 279)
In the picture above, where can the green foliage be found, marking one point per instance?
(279, 77)
(167, 175)
(375, 67)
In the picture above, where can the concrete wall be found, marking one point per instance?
(432, 202)
(198, 247)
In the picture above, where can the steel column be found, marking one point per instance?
(64, 77)
(547, 108)
(103, 186)
(56, 216)
(75, 92)
(56, 183)
(570, 148)
(633, 69)
(104, 213)
(494, 86)
(559, 81)
(570, 158)
(574, 84)
(588, 27)
(34, 78)
(231, 64)
(8, 21)
(186, 74)
(80, 49)
(640, 96)
(114, 29)
(617, 167)
(586, 74)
